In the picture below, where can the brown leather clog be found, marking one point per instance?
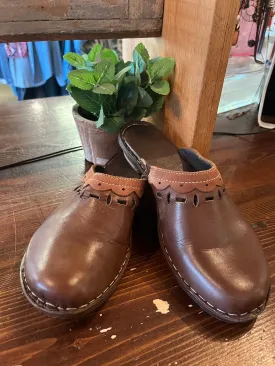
(211, 249)
(76, 259)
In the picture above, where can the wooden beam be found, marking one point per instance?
(79, 19)
(79, 29)
(199, 35)
(34, 10)
(144, 9)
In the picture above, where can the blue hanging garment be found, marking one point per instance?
(36, 69)
(44, 61)
(6, 74)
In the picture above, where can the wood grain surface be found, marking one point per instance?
(198, 34)
(33, 10)
(79, 19)
(184, 336)
(35, 128)
(144, 9)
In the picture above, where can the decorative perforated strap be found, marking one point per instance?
(119, 185)
(184, 182)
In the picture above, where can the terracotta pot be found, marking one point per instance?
(99, 146)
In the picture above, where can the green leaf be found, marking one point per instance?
(140, 56)
(144, 79)
(121, 65)
(119, 113)
(138, 74)
(144, 99)
(140, 64)
(109, 103)
(74, 59)
(137, 114)
(105, 89)
(154, 60)
(140, 48)
(119, 76)
(104, 71)
(162, 68)
(158, 101)
(92, 102)
(95, 51)
(69, 88)
(132, 69)
(161, 87)
(87, 100)
(113, 124)
(128, 97)
(100, 120)
(150, 63)
(107, 53)
(130, 79)
(89, 65)
(82, 79)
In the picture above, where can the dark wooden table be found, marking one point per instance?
(184, 336)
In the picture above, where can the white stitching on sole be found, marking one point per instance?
(206, 302)
(82, 306)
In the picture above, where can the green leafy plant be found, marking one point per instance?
(114, 91)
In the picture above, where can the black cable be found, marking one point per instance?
(219, 133)
(264, 28)
(260, 14)
(42, 157)
(78, 148)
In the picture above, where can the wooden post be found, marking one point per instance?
(198, 34)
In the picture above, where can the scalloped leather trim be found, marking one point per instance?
(118, 185)
(185, 182)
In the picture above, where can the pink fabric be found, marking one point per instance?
(16, 49)
(247, 32)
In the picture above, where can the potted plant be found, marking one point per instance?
(109, 92)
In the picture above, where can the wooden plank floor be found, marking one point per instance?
(184, 336)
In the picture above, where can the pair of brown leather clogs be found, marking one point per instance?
(76, 259)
